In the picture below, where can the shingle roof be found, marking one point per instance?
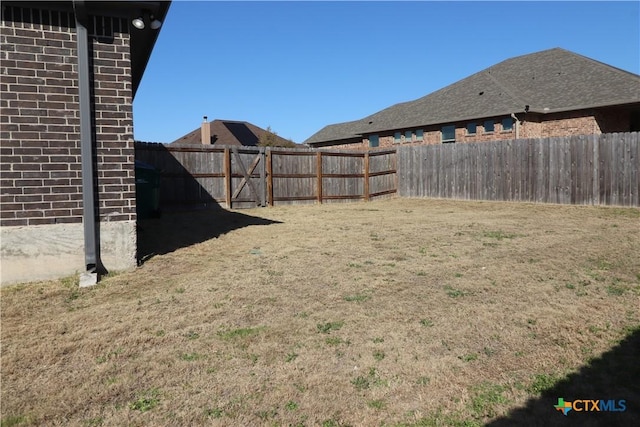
(549, 81)
(228, 132)
(336, 132)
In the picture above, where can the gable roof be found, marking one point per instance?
(549, 81)
(228, 132)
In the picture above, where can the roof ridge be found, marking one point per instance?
(228, 121)
(507, 90)
(595, 61)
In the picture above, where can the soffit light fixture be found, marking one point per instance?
(140, 21)
(155, 23)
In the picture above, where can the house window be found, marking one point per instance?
(507, 124)
(449, 133)
(489, 126)
(472, 128)
(397, 137)
(419, 135)
(374, 141)
(407, 136)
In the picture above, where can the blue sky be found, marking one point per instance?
(299, 66)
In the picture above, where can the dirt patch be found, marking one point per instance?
(401, 312)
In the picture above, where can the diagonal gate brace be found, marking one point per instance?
(247, 176)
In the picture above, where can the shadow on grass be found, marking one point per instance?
(187, 202)
(175, 230)
(613, 376)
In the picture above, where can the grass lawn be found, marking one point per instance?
(399, 312)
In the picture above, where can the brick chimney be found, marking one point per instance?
(205, 132)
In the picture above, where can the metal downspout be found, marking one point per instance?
(516, 124)
(90, 277)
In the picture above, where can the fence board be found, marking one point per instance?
(606, 172)
(543, 170)
(615, 179)
(634, 142)
(523, 161)
(473, 176)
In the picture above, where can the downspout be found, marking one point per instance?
(517, 125)
(90, 276)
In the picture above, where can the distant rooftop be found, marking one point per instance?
(549, 81)
(228, 132)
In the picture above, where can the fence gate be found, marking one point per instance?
(246, 177)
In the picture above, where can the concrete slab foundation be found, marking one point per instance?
(42, 252)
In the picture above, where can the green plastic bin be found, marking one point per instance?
(147, 190)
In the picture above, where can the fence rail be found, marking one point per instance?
(592, 169)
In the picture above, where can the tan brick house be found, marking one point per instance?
(70, 70)
(549, 93)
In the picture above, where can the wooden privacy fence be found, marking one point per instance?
(240, 177)
(593, 169)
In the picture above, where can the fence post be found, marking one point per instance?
(596, 170)
(227, 177)
(319, 175)
(269, 166)
(395, 164)
(263, 177)
(366, 176)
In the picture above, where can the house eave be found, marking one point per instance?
(622, 104)
(142, 41)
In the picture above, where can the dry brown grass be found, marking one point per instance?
(395, 312)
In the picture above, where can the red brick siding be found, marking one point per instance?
(531, 126)
(578, 122)
(40, 128)
(363, 145)
(569, 123)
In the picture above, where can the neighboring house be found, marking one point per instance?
(70, 71)
(227, 132)
(550, 93)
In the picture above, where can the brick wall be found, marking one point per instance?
(40, 161)
(531, 126)
(569, 123)
(579, 122)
